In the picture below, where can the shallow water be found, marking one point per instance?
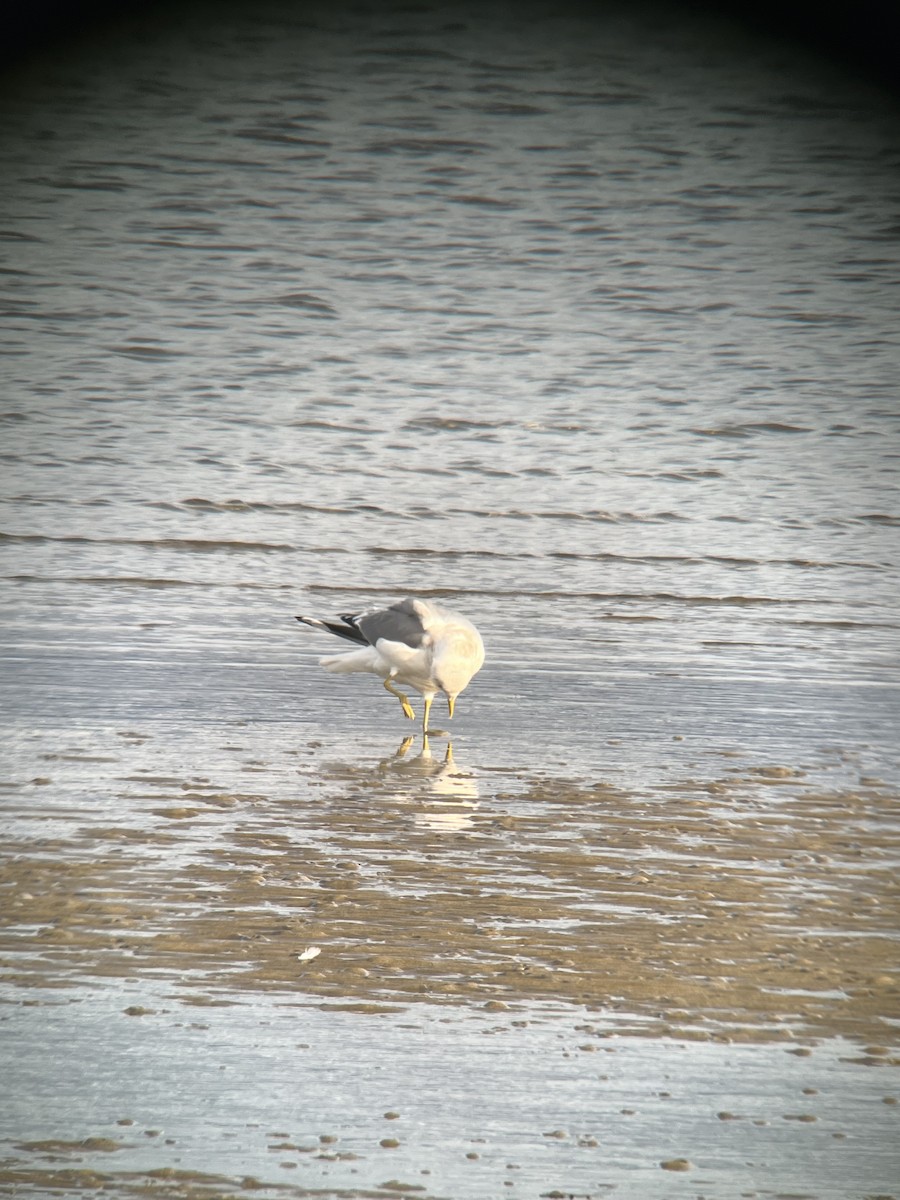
(390, 1114)
(587, 326)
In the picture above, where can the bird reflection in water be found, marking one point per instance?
(451, 794)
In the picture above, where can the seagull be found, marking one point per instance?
(413, 642)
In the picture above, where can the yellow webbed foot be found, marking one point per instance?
(404, 701)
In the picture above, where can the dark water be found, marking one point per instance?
(587, 324)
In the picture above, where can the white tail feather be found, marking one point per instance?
(367, 660)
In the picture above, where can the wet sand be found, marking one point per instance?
(395, 909)
(757, 905)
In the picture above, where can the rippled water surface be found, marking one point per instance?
(588, 326)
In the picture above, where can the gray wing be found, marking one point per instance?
(399, 623)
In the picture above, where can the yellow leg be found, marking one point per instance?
(404, 701)
(428, 700)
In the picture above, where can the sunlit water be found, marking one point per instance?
(587, 326)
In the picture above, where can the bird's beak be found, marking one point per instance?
(451, 701)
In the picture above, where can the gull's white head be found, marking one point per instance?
(458, 657)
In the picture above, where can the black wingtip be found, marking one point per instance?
(350, 632)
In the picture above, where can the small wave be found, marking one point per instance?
(143, 350)
(680, 476)
(411, 53)
(145, 581)
(277, 138)
(631, 617)
(16, 235)
(306, 301)
(880, 518)
(64, 501)
(286, 506)
(607, 556)
(748, 429)
(811, 623)
(86, 185)
(888, 519)
(261, 506)
(486, 201)
(502, 108)
(428, 552)
(193, 545)
(194, 226)
(599, 97)
(328, 426)
(424, 145)
(588, 515)
(453, 423)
